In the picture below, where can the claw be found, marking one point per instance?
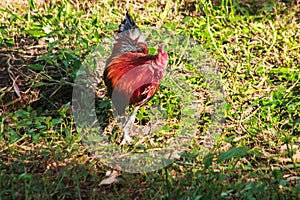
(126, 139)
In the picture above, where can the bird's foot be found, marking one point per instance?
(126, 139)
(127, 128)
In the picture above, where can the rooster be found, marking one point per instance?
(131, 75)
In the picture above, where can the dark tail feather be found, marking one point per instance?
(127, 24)
(128, 39)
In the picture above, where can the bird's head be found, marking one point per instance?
(160, 63)
(162, 58)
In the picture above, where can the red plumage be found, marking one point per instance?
(131, 75)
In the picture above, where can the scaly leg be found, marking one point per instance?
(127, 128)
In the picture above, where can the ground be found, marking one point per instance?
(254, 47)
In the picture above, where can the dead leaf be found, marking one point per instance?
(112, 178)
(296, 156)
(16, 87)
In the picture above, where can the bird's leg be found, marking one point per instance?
(127, 128)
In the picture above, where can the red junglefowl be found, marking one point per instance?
(131, 75)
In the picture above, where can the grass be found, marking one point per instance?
(255, 49)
